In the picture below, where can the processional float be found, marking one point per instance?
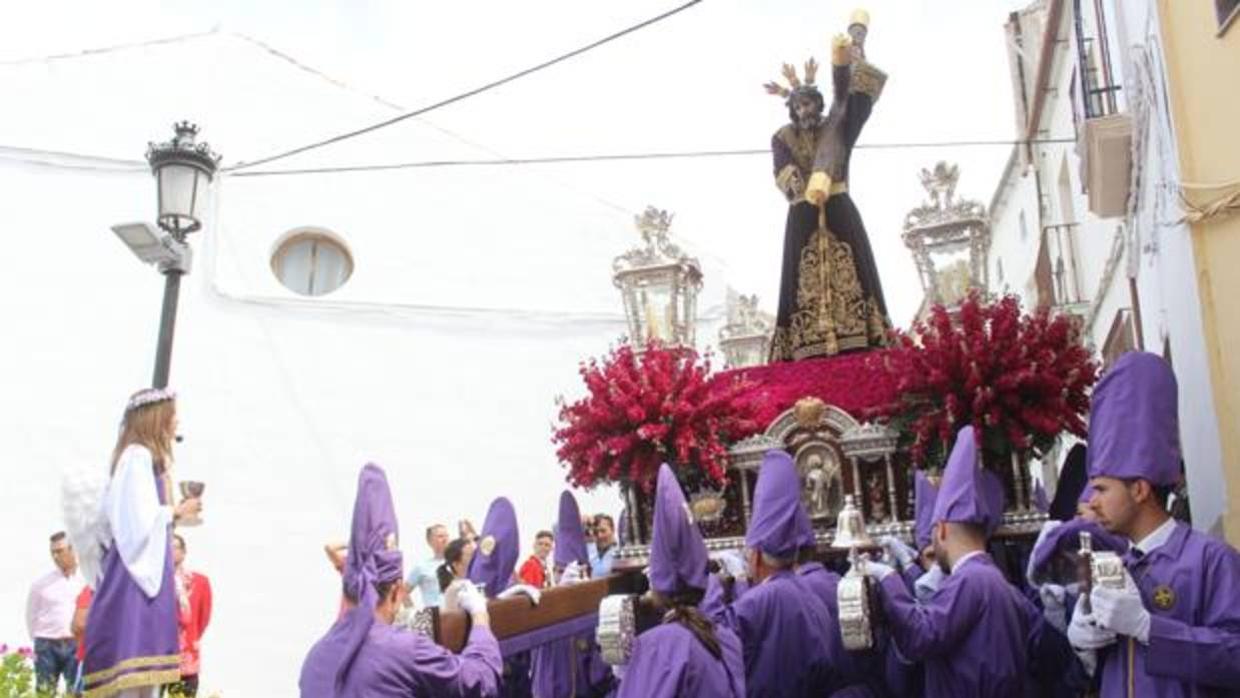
(858, 407)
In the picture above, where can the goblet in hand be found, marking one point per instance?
(191, 489)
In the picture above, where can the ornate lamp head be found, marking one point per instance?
(659, 284)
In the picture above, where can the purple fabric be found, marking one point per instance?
(1194, 647)
(570, 538)
(395, 663)
(1134, 425)
(924, 494)
(677, 552)
(498, 548)
(574, 627)
(569, 667)
(373, 557)
(777, 524)
(1066, 538)
(969, 493)
(1086, 494)
(783, 631)
(126, 625)
(669, 662)
(972, 634)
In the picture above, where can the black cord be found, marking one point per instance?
(465, 95)
(561, 159)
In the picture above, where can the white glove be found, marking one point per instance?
(469, 598)
(733, 563)
(899, 551)
(927, 584)
(572, 573)
(1121, 610)
(877, 570)
(1085, 633)
(617, 670)
(526, 590)
(1053, 608)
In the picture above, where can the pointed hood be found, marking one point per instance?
(778, 523)
(1071, 488)
(373, 558)
(498, 548)
(1134, 424)
(969, 493)
(924, 493)
(677, 551)
(570, 538)
(1066, 538)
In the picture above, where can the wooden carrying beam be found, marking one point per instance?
(515, 616)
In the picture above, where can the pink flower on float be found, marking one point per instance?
(4, 649)
(25, 652)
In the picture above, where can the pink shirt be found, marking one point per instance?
(49, 608)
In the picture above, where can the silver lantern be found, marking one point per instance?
(659, 284)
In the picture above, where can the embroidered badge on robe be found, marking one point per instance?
(1164, 597)
(487, 545)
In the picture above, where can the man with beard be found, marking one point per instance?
(973, 633)
(1174, 629)
(830, 296)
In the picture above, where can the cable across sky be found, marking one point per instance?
(613, 157)
(467, 94)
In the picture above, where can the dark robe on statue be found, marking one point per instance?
(830, 297)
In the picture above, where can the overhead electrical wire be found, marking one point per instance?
(467, 94)
(613, 157)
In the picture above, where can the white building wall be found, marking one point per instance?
(1148, 245)
(417, 363)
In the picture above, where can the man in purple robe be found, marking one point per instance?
(972, 634)
(1174, 629)
(782, 625)
(570, 667)
(499, 546)
(363, 654)
(687, 655)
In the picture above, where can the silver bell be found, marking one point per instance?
(850, 527)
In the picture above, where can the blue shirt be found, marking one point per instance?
(424, 577)
(600, 565)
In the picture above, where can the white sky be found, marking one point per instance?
(691, 82)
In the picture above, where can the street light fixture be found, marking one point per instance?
(183, 171)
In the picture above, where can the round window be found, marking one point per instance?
(312, 263)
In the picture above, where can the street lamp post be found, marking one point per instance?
(183, 172)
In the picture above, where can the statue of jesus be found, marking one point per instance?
(830, 297)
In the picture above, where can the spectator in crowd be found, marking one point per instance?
(534, 570)
(194, 599)
(49, 614)
(465, 529)
(78, 627)
(424, 576)
(455, 565)
(603, 549)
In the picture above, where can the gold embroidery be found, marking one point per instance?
(867, 79)
(832, 313)
(131, 663)
(802, 143)
(791, 183)
(137, 679)
(1164, 597)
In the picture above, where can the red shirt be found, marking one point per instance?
(195, 615)
(83, 603)
(533, 572)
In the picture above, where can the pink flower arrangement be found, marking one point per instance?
(648, 409)
(1020, 380)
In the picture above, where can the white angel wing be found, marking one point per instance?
(86, 524)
